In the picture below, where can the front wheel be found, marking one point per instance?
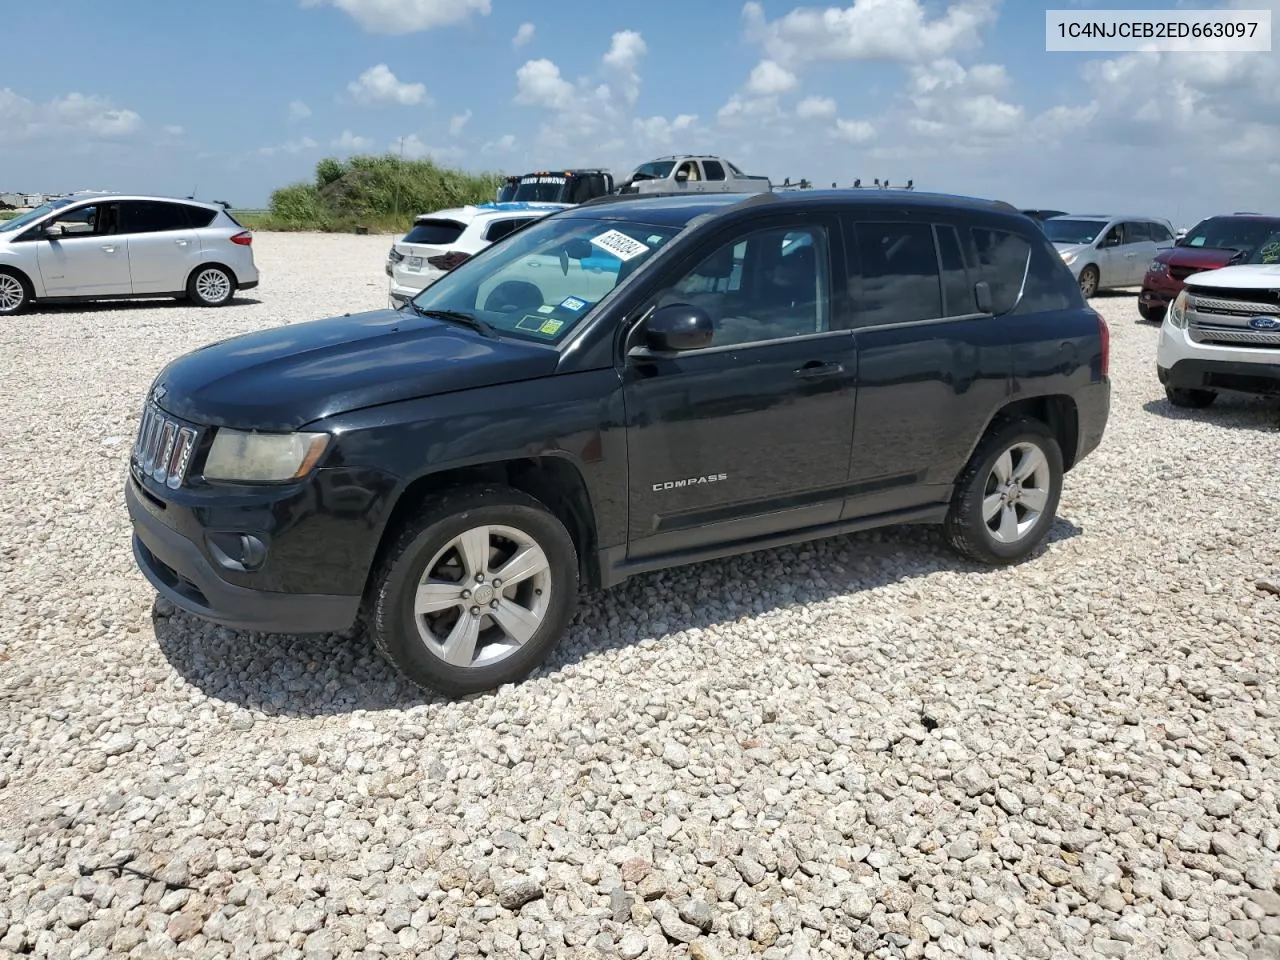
(1089, 281)
(211, 286)
(475, 592)
(1191, 399)
(1151, 314)
(15, 295)
(1006, 498)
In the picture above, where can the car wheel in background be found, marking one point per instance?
(211, 286)
(1192, 399)
(475, 591)
(1007, 496)
(1089, 281)
(15, 293)
(1151, 314)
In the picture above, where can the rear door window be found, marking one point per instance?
(713, 169)
(900, 281)
(437, 233)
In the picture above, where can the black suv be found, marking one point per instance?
(621, 387)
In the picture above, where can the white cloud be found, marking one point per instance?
(378, 86)
(24, 119)
(458, 121)
(626, 49)
(524, 34)
(868, 30)
(173, 130)
(769, 80)
(539, 84)
(289, 146)
(298, 111)
(350, 142)
(854, 131)
(396, 17)
(661, 132)
(413, 148)
(503, 144)
(811, 108)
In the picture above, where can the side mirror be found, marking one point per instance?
(54, 230)
(682, 175)
(982, 294)
(677, 327)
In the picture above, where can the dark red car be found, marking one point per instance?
(1212, 243)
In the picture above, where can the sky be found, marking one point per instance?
(959, 96)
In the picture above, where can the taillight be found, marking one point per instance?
(447, 261)
(244, 238)
(1105, 333)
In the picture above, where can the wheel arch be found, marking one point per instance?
(206, 264)
(23, 277)
(553, 480)
(1056, 411)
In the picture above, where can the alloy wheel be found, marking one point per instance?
(1016, 492)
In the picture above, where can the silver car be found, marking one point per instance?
(1105, 252)
(116, 247)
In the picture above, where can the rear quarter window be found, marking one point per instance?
(1002, 263)
(1049, 285)
(202, 217)
(435, 232)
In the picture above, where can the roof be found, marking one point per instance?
(1109, 216)
(679, 209)
(115, 197)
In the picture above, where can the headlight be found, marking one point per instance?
(1178, 310)
(1158, 266)
(263, 457)
(1069, 258)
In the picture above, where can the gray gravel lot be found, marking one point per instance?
(857, 747)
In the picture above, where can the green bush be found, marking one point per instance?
(382, 193)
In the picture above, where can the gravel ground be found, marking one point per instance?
(857, 747)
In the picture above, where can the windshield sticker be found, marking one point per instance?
(547, 308)
(573, 304)
(531, 322)
(551, 326)
(620, 245)
(654, 240)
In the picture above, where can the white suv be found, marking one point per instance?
(440, 241)
(115, 246)
(1223, 332)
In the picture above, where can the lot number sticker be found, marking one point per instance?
(573, 304)
(620, 245)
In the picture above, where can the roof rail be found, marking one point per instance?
(615, 197)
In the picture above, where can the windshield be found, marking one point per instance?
(1267, 248)
(31, 216)
(507, 192)
(540, 282)
(541, 189)
(656, 170)
(1230, 233)
(1073, 231)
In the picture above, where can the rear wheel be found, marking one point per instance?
(211, 286)
(1089, 281)
(1151, 314)
(475, 592)
(1192, 399)
(15, 294)
(1007, 496)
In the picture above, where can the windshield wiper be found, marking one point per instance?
(457, 316)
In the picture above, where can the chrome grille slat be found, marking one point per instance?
(1203, 333)
(163, 448)
(1237, 308)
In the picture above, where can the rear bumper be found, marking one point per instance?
(1093, 409)
(180, 573)
(247, 286)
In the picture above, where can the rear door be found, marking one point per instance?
(1113, 267)
(163, 246)
(931, 367)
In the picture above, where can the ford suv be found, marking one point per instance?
(751, 372)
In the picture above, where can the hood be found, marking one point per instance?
(286, 377)
(1244, 276)
(1065, 248)
(1201, 258)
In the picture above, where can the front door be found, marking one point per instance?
(84, 257)
(751, 435)
(1139, 249)
(163, 248)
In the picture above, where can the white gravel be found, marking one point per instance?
(857, 747)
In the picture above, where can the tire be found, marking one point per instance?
(1191, 399)
(1089, 281)
(211, 285)
(538, 607)
(1151, 314)
(15, 293)
(967, 527)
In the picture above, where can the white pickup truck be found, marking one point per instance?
(689, 173)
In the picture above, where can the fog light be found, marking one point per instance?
(242, 552)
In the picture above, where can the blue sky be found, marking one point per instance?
(958, 95)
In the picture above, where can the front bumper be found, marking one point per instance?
(1182, 363)
(1158, 290)
(181, 573)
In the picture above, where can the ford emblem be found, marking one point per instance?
(1265, 323)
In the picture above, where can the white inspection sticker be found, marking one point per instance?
(620, 245)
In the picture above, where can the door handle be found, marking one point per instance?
(109, 247)
(181, 243)
(817, 368)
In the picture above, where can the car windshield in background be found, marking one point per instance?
(541, 189)
(1230, 233)
(32, 215)
(657, 170)
(1073, 231)
(540, 282)
(1267, 250)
